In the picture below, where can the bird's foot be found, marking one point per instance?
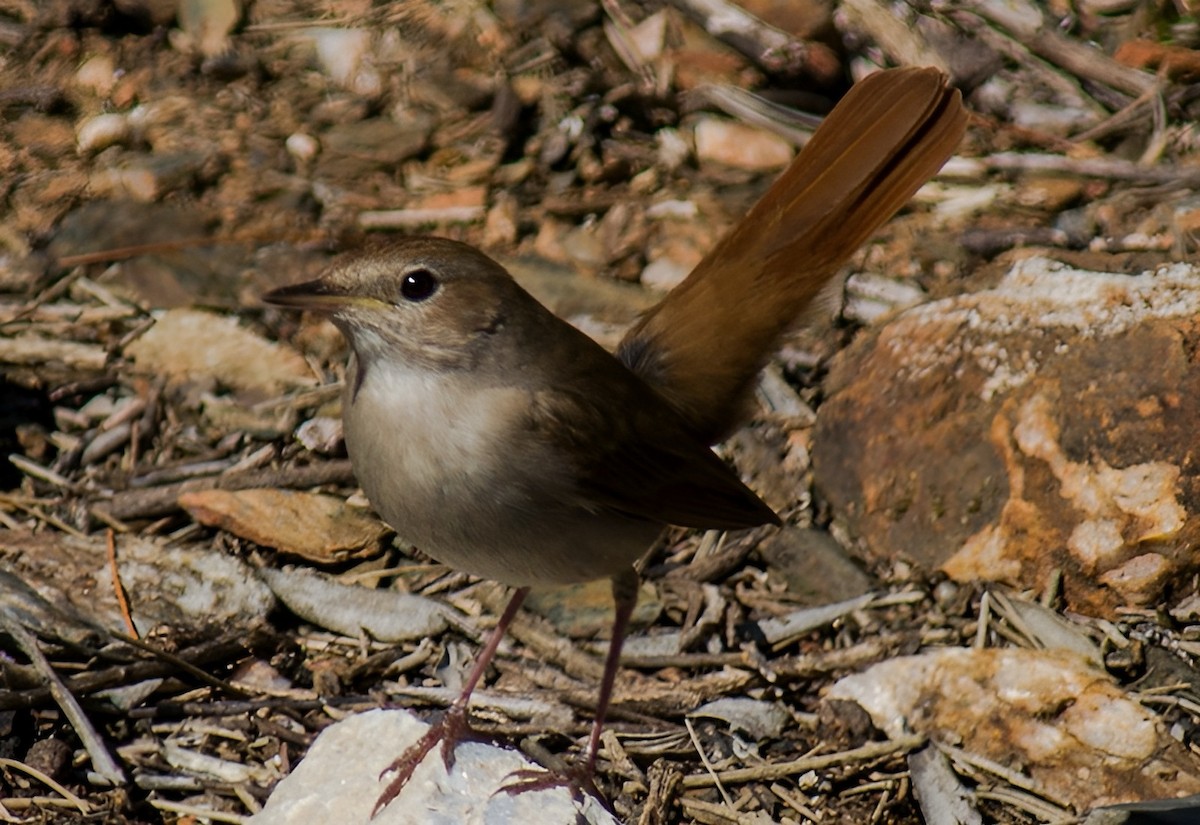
(450, 729)
(579, 779)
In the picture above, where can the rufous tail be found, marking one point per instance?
(703, 345)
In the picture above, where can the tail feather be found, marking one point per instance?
(703, 344)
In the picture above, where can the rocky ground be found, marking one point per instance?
(983, 604)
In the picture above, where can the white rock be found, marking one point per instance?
(345, 55)
(1077, 736)
(664, 274)
(673, 150)
(338, 781)
(302, 147)
(102, 131)
(740, 146)
(97, 74)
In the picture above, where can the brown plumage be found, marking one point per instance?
(703, 345)
(504, 442)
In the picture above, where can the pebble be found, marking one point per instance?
(97, 74)
(740, 146)
(339, 781)
(302, 147)
(101, 131)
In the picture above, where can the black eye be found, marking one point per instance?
(418, 285)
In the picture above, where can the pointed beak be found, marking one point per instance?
(316, 295)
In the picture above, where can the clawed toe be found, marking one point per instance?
(579, 780)
(451, 729)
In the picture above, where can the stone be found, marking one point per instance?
(1078, 737)
(186, 345)
(816, 568)
(360, 148)
(191, 587)
(740, 146)
(101, 131)
(1043, 426)
(339, 781)
(585, 610)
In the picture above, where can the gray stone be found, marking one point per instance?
(339, 781)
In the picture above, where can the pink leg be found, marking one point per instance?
(453, 725)
(582, 777)
(625, 593)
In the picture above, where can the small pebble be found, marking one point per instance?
(673, 150)
(674, 209)
(322, 434)
(302, 147)
(945, 592)
(664, 273)
(97, 74)
(102, 131)
(740, 146)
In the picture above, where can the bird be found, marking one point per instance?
(505, 443)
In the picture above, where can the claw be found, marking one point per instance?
(579, 779)
(453, 726)
(449, 730)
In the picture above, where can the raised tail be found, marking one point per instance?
(703, 344)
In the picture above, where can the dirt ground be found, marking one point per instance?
(163, 164)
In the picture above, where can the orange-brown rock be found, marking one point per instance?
(1049, 424)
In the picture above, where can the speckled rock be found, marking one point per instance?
(1048, 424)
(339, 781)
(1071, 730)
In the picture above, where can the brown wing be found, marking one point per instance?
(645, 464)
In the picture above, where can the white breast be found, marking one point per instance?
(432, 425)
(457, 471)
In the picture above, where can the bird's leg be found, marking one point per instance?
(582, 776)
(625, 594)
(453, 725)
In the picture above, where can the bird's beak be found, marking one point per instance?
(318, 295)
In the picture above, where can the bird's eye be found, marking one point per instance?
(418, 285)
